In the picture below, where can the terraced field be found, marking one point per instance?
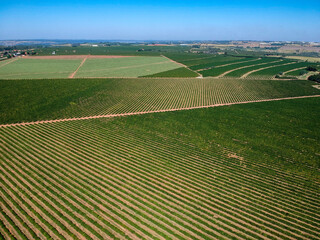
(242, 71)
(159, 177)
(228, 68)
(295, 72)
(271, 72)
(24, 101)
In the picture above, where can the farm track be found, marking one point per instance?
(121, 177)
(75, 72)
(260, 69)
(291, 70)
(148, 112)
(232, 70)
(13, 60)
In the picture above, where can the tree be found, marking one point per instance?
(312, 68)
(315, 78)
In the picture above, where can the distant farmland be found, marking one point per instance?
(85, 66)
(121, 142)
(171, 65)
(25, 100)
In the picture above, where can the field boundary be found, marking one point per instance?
(155, 111)
(13, 60)
(199, 74)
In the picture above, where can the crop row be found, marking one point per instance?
(95, 179)
(242, 71)
(216, 71)
(193, 60)
(218, 60)
(33, 100)
(270, 72)
(222, 63)
(170, 94)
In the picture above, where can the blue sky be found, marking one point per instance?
(160, 20)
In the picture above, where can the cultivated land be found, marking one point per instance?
(25, 100)
(168, 64)
(309, 59)
(219, 173)
(125, 67)
(38, 68)
(81, 66)
(131, 158)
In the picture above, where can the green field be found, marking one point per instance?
(242, 71)
(38, 68)
(143, 66)
(203, 61)
(125, 67)
(175, 73)
(92, 67)
(129, 50)
(216, 71)
(271, 72)
(140, 148)
(25, 100)
(239, 172)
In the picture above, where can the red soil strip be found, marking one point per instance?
(74, 73)
(74, 56)
(155, 111)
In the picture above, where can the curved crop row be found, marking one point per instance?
(216, 71)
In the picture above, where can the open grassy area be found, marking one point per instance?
(37, 68)
(247, 171)
(125, 67)
(25, 100)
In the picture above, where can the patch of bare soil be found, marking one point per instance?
(233, 155)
